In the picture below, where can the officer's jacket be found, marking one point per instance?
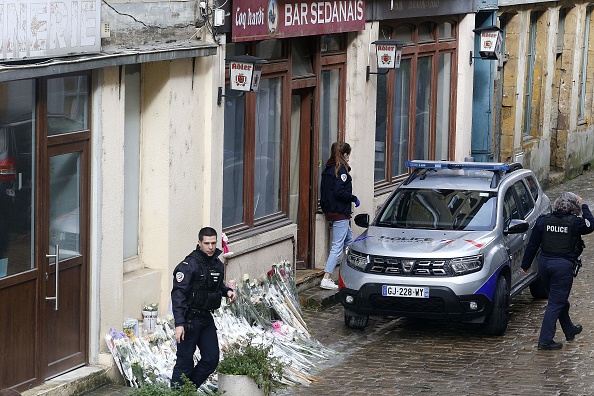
(579, 226)
(185, 274)
(336, 193)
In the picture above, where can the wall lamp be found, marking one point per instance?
(388, 54)
(245, 72)
(490, 48)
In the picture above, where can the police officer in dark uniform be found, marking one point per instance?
(197, 291)
(558, 235)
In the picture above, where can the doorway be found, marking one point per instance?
(44, 231)
(301, 205)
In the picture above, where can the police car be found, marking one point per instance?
(446, 244)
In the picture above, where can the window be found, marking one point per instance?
(446, 31)
(233, 157)
(17, 176)
(530, 56)
(267, 147)
(561, 30)
(532, 184)
(510, 207)
(67, 104)
(329, 99)
(524, 198)
(414, 102)
(132, 161)
(252, 184)
(582, 91)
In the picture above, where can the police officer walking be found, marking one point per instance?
(558, 235)
(197, 291)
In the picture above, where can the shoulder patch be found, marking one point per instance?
(179, 276)
(587, 223)
(343, 177)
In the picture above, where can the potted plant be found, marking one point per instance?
(248, 365)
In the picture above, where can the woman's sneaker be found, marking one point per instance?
(328, 284)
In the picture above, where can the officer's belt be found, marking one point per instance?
(192, 313)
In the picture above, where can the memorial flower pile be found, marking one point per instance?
(267, 308)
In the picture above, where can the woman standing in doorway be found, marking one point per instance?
(336, 198)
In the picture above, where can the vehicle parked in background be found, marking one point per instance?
(447, 244)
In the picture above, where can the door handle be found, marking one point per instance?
(57, 258)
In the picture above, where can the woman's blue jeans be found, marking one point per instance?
(342, 237)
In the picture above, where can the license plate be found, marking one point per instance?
(405, 291)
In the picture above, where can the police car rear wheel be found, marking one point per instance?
(353, 321)
(496, 321)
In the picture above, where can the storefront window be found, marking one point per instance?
(331, 42)
(445, 31)
(329, 99)
(67, 104)
(425, 31)
(400, 120)
(381, 113)
(302, 51)
(404, 33)
(413, 113)
(444, 82)
(423, 110)
(234, 154)
(17, 145)
(267, 168)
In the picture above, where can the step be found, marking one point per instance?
(76, 382)
(311, 296)
(316, 298)
(306, 279)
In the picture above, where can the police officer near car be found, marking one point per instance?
(197, 291)
(558, 235)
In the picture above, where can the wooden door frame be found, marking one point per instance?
(306, 213)
(47, 147)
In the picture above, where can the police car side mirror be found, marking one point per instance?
(362, 220)
(516, 227)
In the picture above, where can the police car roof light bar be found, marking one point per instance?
(488, 166)
(422, 166)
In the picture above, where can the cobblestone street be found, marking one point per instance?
(418, 357)
(415, 357)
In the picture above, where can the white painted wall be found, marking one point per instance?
(464, 88)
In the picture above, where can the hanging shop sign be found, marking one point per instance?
(49, 28)
(266, 19)
(245, 72)
(490, 44)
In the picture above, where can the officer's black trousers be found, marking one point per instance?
(557, 276)
(203, 336)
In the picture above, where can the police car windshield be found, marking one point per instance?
(440, 209)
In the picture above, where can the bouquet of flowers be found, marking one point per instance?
(266, 307)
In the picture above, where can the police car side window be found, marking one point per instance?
(510, 207)
(533, 186)
(524, 197)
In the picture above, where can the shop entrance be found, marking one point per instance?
(301, 205)
(44, 201)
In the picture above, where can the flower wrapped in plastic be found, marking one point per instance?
(266, 307)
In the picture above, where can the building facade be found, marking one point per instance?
(545, 95)
(94, 133)
(113, 156)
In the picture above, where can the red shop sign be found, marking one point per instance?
(266, 19)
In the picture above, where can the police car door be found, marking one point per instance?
(513, 242)
(522, 204)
